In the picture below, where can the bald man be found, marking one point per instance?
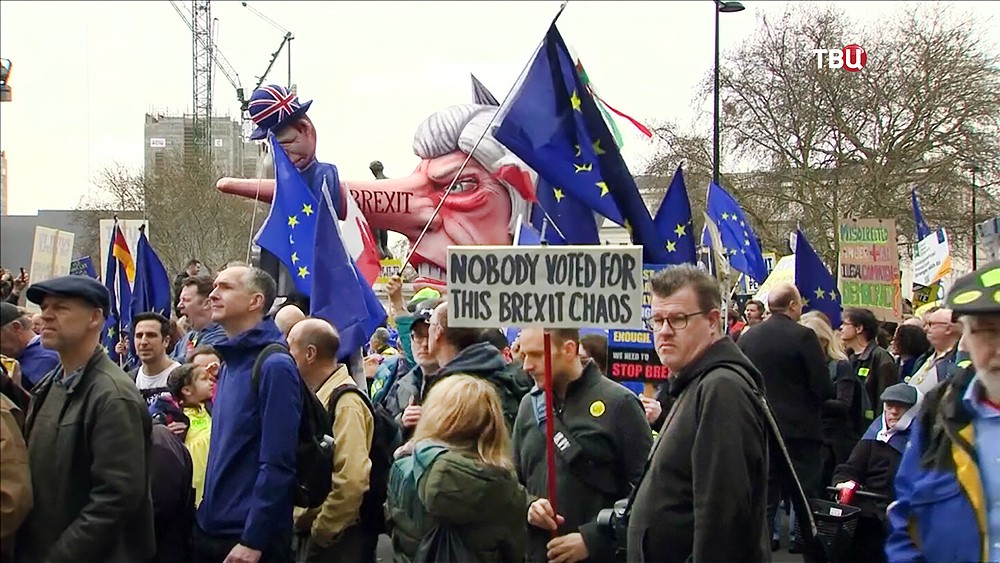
(287, 317)
(333, 532)
(797, 382)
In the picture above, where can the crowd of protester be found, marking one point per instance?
(236, 434)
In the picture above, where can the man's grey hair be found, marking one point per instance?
(672, 279)
(259, 281)
(459, 128)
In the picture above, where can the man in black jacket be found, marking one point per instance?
(603, 440)
(703, 496)
(796, 382)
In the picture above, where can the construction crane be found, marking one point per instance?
(286, 40)
(206, 58)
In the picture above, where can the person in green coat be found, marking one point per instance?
(457, 477)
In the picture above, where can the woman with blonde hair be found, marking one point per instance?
(843, 417)
(453, 492)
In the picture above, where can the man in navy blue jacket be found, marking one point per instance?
(245, 515)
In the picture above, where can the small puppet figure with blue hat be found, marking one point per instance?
(278, 113)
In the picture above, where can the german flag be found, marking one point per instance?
(121, 252)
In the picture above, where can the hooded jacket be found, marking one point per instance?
(941, 512)
(483, 360)
(703, 496)
(484, 505)
(874, 462)
(251, 457)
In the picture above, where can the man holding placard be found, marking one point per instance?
(603, 439)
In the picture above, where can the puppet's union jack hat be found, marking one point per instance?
(273, 106)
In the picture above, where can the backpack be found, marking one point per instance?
(314, 451)
(386, 437)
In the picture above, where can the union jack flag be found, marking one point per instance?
(270, 101)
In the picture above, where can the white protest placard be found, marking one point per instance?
(545, 286)
(932, 259)
(51, 256)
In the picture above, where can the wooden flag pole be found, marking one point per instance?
(550, 428)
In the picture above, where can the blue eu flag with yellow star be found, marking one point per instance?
(817, 286)
(561, 218)
(739, 242)
(673, 221)
(290, 227)
(555, 127)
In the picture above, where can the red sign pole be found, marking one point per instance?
(550, 427)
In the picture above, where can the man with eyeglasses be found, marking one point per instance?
(935, 365)
(703, 494)
(948, 485)
(797, 382)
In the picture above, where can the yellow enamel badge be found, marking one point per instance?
(597, 409)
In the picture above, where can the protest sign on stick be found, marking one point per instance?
(545, 286)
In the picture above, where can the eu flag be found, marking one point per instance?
(739, 242)
(570, 221)
(673, 222)
(290, 227)
(817, 286)
(117, 279)
(340, 294)
(923, 231)
(152, 283)
(555, 127)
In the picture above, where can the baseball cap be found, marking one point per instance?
(8, 313)
(426, 294)
(81, 287)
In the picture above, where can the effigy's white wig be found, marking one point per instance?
(459, 128)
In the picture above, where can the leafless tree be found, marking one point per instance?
(826, 144)
(188, 218)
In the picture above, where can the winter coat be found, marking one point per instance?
(607, 425)
(794, 373)
(483, 360)
(703, 497)
(435, 486)
(15, 481)
(873, 465)
(933, 518)
(251, 457)
(89, 452)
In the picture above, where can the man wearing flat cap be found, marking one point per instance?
(948, 484)
(88, 434)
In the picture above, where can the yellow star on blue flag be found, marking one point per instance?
(673, 221)
(554, 125)
(291, 211)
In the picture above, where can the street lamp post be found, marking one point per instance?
(721, 7)
(974, 169)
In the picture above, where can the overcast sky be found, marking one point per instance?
(85, 73)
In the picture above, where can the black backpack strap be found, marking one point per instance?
(598, 474)
(258, 364)
(339, 392)
(803, 511)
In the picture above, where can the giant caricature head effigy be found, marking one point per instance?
(493, 189)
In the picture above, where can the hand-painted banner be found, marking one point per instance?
(869, 267)
(632, 357)
(545, 286)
